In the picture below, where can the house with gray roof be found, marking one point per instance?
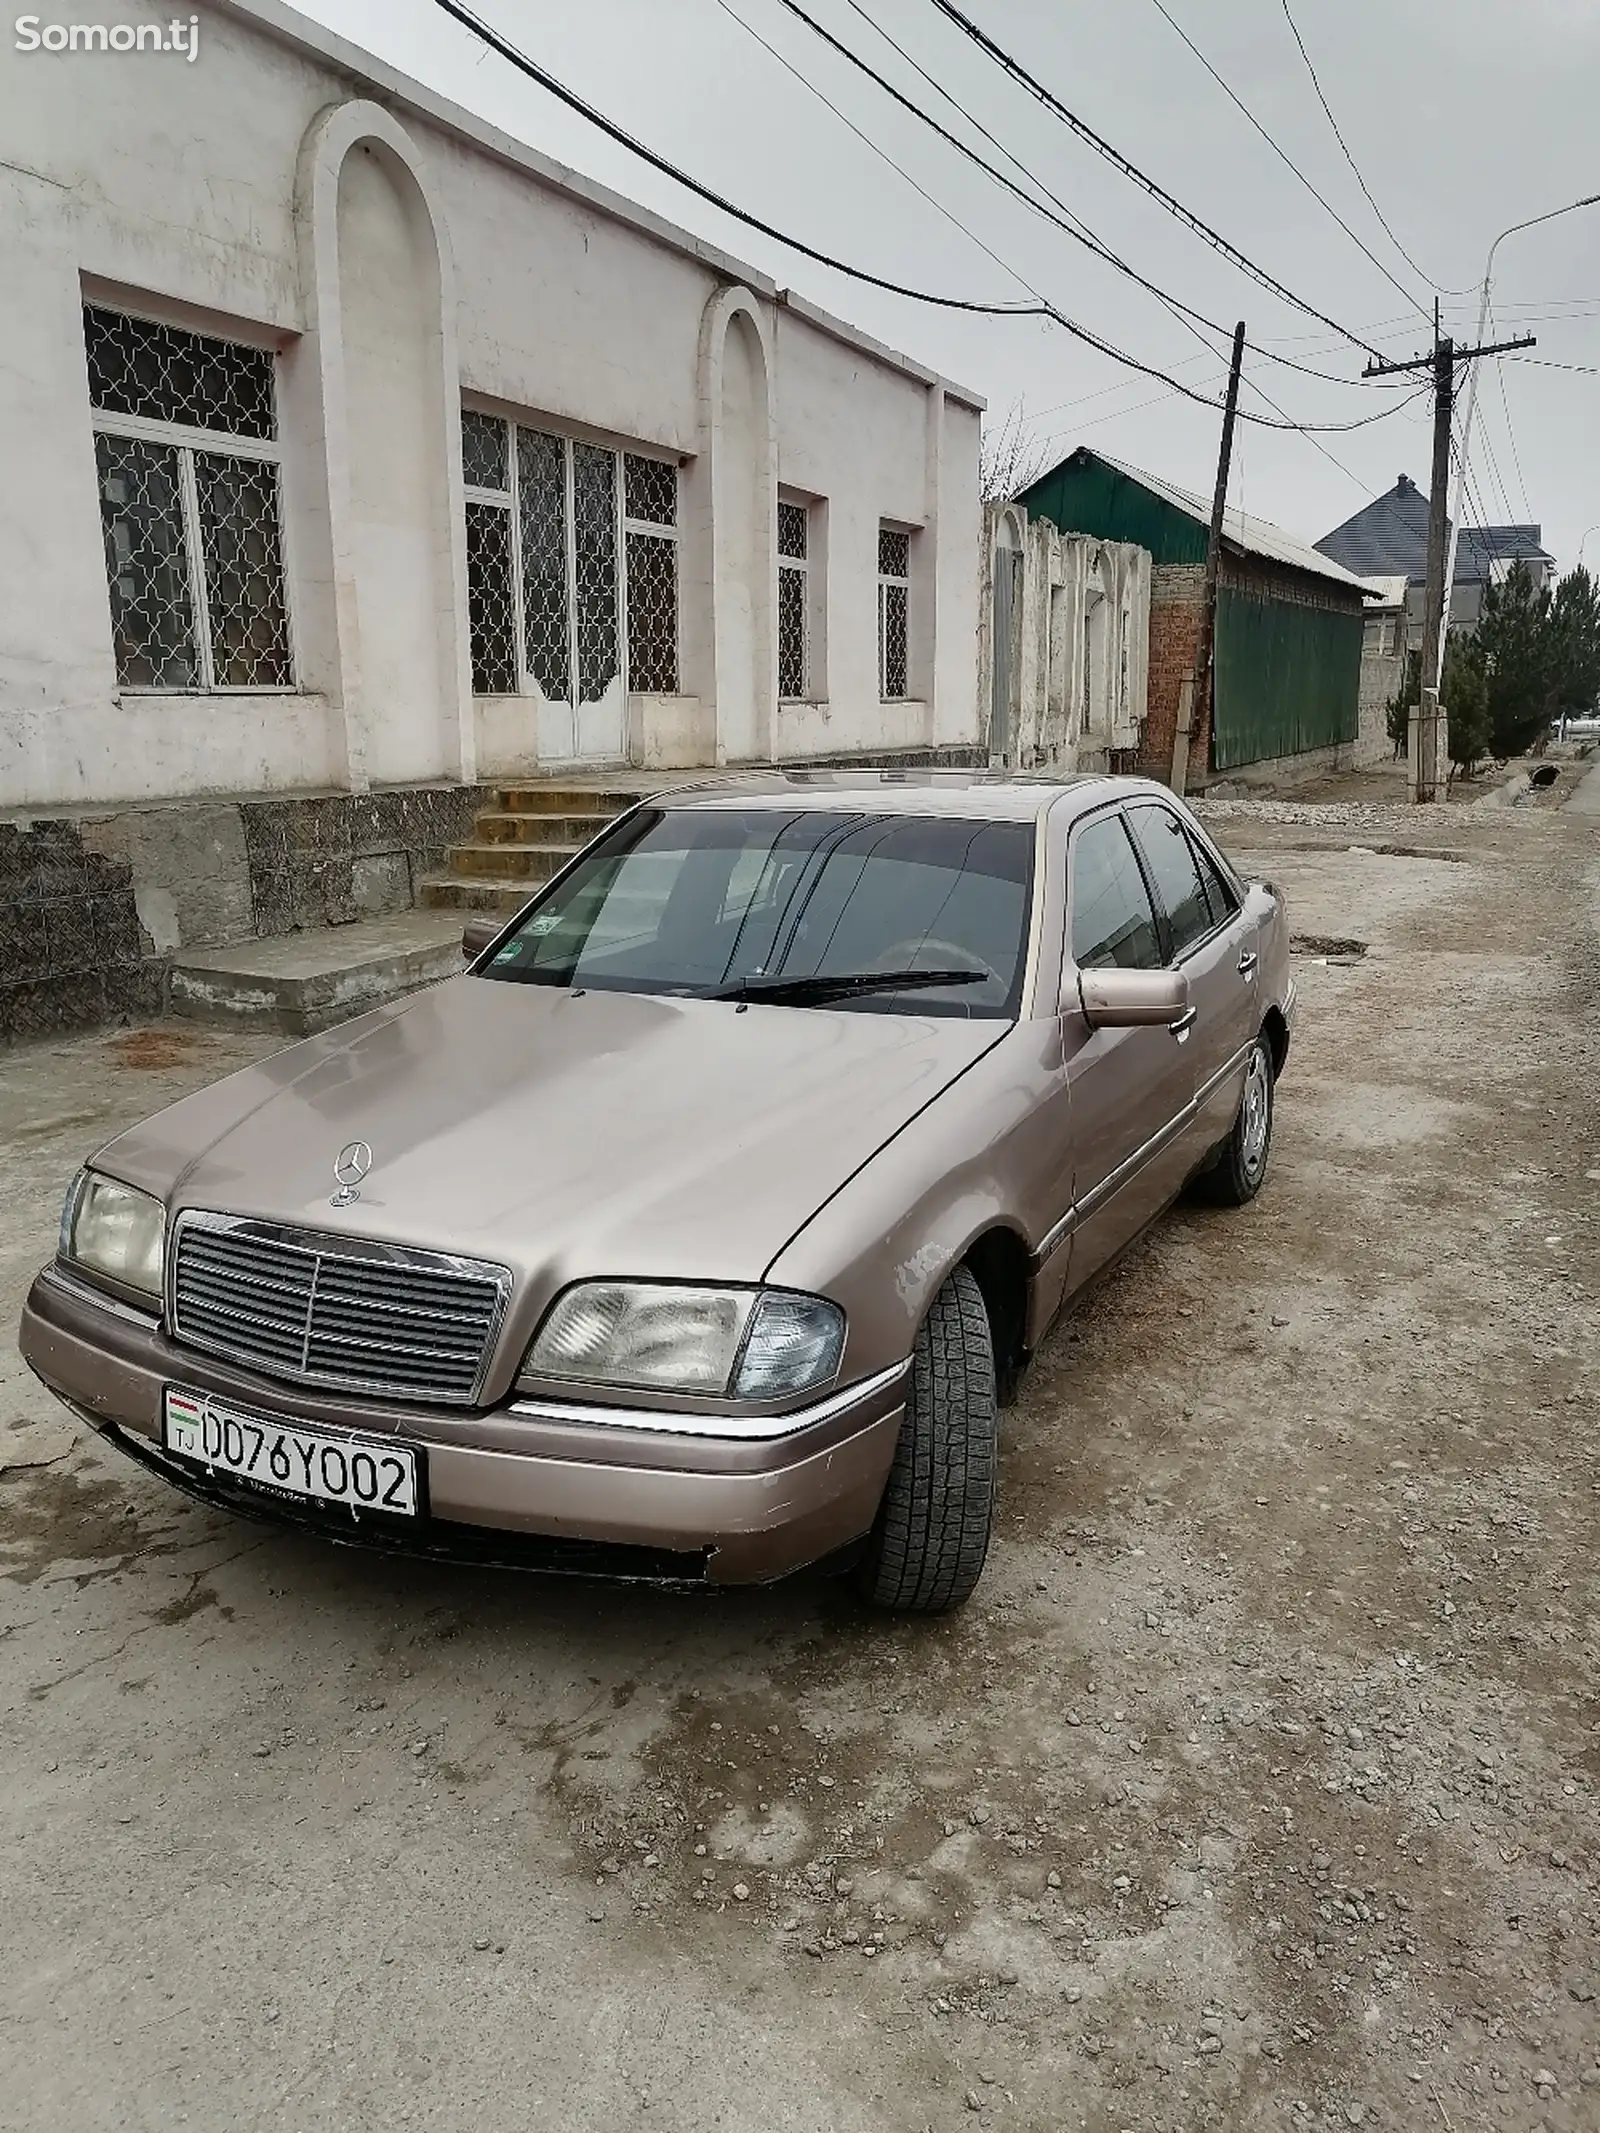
(1389, 538)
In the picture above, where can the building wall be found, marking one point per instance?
(395, 255)
(1383, 673)
(94, 906)
(1064, 654)
(1286, 661)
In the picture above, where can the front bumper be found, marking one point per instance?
(542, 1484)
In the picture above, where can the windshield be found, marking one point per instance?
(710, 902)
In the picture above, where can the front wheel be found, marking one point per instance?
(928, 1545)
(1241, 1165)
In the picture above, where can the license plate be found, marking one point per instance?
(289, 1459)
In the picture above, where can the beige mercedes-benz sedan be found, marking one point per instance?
(697, 1229)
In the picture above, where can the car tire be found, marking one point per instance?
(1239, 1169)
(927, 1548)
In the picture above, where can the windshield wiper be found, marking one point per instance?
(845, 985)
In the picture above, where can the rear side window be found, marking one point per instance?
(1112, 922)
(1175, 872)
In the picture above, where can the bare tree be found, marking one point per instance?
(1009, 458)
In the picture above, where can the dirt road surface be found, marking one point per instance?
(1256, 1789)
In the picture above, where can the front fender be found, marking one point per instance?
(991, 1152)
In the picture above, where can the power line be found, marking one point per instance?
(1500, 489)
(1287, 161)
(1474, 516)
(1086, 133)
(1345, 146)
(867, 141)
(1505, 404)
(1588, 370)
(574, 102)
(1122, 385)
(1073, 225)
(1040, 309)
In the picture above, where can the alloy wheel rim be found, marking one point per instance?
(1257, 1114)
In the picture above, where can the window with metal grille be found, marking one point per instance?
(572, 563)
(186, 449)
(794, 600)
(650, 522)
(894, 611)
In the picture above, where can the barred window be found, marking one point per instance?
(572, 563)
(491, 612)
(794, 600)
(894, 611)
(186, 451)
(650, 502)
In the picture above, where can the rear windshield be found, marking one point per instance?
(694, 901)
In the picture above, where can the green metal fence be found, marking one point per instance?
(1288, 678)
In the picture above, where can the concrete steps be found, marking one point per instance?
(461, 892)
(301, 982)
(511, 862)
(526, 836)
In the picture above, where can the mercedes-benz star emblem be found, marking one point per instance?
(350, 1166)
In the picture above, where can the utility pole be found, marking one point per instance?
(1192, 714)
(1426, 732)
(1422, 737)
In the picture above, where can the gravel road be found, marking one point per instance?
(1256, 1789)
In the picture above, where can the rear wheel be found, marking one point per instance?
(1240, 1169)
(928, 1546)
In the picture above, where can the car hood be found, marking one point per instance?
(563, 1134)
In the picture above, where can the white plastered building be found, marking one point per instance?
(350, 443)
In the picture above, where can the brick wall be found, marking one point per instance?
(1177, 592)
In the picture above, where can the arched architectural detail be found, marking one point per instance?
(379, 358)
(1007, 565)
(739, 452)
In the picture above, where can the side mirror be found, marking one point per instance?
(1132, 999)
(477, 933)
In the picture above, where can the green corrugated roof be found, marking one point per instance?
(1089, 492)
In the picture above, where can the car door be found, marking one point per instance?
(1208, 938)
(1132, 1090)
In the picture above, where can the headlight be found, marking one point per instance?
(114, 1230)
(742, 1344)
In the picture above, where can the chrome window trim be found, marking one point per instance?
(1069, 962)
(1212, 933)
(326, 1245)
(735, 1428)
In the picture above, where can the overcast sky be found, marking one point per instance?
(1462, 115)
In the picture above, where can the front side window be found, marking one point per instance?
(572, 563)
(186, 450)
(1113, 922)
(894, 612)
(1170, 858)
(706, 901)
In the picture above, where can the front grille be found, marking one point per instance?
(329, 1311)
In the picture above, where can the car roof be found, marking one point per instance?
(988, 795)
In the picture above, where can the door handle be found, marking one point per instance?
(1185, 1022)
(1247, 963)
